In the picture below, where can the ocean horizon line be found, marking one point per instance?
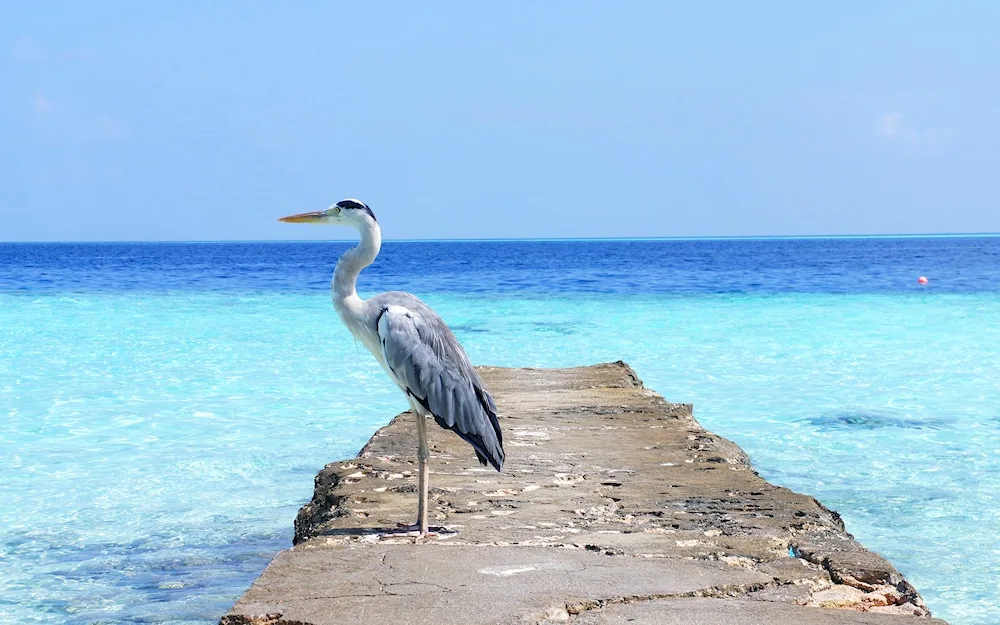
(769, 237)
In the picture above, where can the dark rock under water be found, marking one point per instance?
(874, 420)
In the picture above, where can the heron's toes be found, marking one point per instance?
(424, 537)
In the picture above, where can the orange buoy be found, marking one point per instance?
(922, 280)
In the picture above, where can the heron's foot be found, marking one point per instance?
(423, 537)
(432, 532)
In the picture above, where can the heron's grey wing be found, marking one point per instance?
(430, 365)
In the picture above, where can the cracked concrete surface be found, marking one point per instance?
(614, 506)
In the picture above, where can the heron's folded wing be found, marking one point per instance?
(428, 362)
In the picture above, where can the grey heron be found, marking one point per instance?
(415, 347)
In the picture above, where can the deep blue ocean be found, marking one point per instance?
(165, 406)
(848, 265)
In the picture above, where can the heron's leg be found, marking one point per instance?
(423, 453)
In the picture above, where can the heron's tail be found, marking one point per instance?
(483, 434)
(497, 456)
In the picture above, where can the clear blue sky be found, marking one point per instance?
(208, 120)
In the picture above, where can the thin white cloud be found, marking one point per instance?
(61, 122)
(893, 127)
(27, 50)
(937, 135)
(889, 125)
(109, 128)
(41, 105)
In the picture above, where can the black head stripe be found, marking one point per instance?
(351, 204)
(355, 205)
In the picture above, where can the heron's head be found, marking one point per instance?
(347, 212)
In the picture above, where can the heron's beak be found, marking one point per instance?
(304, 218)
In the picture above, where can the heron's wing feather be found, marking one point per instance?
(429, 364)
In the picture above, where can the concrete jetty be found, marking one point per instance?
(615, 506)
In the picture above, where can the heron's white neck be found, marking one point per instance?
(345, 276)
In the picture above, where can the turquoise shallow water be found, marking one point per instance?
(156, 445)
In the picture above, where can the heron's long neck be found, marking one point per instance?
(345, 276)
